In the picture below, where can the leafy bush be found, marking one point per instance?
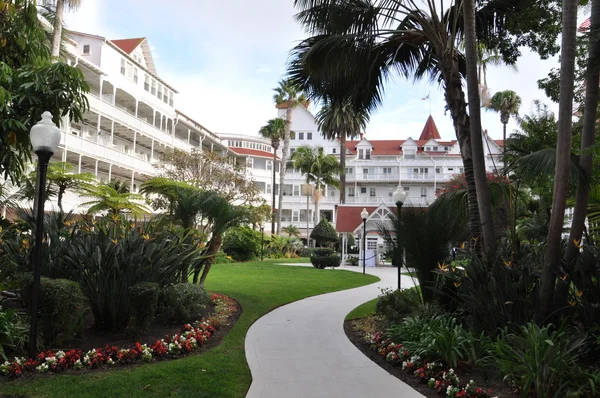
(542, 360)
(323, 252)
(112, 255)
(242, 243)
(185, 301)
(395, 305)
(352, 260)
(14, 332)
(306, 252)
(324, 233)
(143, 300)
(325, 261)
(441, 338)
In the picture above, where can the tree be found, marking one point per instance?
(563, 152)
(324, 233)
(340, 120)
(291, 230)
(210, 171)
(289, 95)
(317, 168)
(507, 103)
(275, 131)
(30, 84)
(113, 198)
(58, 22)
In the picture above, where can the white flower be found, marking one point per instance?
(110, 361)
(4, 367)
(43, 368)
(60, 354)
(78, 365)
(20, 360)
(51, 360)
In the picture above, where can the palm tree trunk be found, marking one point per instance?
(57, 33)
(284, 159)
(61, 192)
(455, 98)
(590, 113)
(504, 148)
(343, 167)
(273, 191)
(563, 152)
(483, 198)
(213, 249)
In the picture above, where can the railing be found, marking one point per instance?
(127, 119)
(391, 177)
(376, 200)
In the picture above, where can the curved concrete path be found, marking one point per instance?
(301, 350)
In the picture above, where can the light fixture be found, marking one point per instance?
(399, 195)
(364, 214)
(45, 136)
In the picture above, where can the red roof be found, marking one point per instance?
(585, 26)
(253, 152)
(430, 130)
(128, 45)
(500, 143)
(392, 147)
(284, 105)
(348, 218)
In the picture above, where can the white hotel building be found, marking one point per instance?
(133, 119)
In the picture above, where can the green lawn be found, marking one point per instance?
(221, 372)
(363, 310)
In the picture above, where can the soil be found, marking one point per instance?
(498, 388)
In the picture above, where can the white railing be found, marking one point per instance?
(106, 109)
(391, 177)
(376, 200)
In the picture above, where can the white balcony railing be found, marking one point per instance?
(391, 177)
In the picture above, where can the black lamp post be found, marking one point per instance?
(399, 197)
(364, 214)
(262, 242)
(45, 137)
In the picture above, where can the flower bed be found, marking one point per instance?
(189, 338)
(444, 382)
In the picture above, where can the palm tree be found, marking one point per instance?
(563, 152)
(114, 198)
(291, 230)
(340, 120)
(358, 45)
(58, 22)
(317, 168)
(275, 131)
(289, 95)
(507, 103)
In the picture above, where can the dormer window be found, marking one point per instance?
(445, 148)
(427, 148)
(368, 154)
(86, 49)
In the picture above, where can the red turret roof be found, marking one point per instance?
(430, 130)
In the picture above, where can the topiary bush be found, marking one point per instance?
(325, 257)
(242, 243)
(324, 233)
(143, 299)
(184, 301)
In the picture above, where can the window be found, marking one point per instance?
(171, 94)
(296, 216)
(160, 91)
(286, 215)
(349, 170)
(363, 190)
(334, 150)
(428, 148)
(123, 66)
(450, 168)
(361, 154)
(371, 244)
(435, 148)
(300, 136)
(296, 190)
(86, 49)
(438, 170)
(445, 148)
(350, 191)
(147, 83)
(372, 192)
(269, 165)
(153, 92)
(368, 154)
(409, 154)
(135, 75)
(423, 192)
(250, 162)
(461, 170)
(269, 188)
(387, 170)
(309, 136)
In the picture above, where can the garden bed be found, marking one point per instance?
(356, 334)
(105, 350)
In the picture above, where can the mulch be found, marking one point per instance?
(498, 388)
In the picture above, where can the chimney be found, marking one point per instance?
(362, 135)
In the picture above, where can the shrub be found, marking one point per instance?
(60, 303)
(306, 252)
(222, 258)
(538, 359)
(242, 243)
(323, 252)
(324, 233)
(143, 300)
(352, 260)
(326, 261)
(395, 304)
(184, 301)
(14, 332)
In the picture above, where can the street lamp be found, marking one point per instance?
(399, 197)
(45, 137)
(262, 242)
(364, 214)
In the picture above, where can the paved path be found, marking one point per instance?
(301, 350)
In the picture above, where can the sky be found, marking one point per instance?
(225, 58)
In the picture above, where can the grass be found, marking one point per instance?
(221, 372)
(363, 310)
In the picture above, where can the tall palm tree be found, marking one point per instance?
(113, 198)
(507, 103)
(341, 120)
(358, 45)
(275, 131)
(58, 22)
(319, 169)
(563, 152)
(289, 95)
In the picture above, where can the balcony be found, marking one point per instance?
(377, 200)
(393, 177)
(128, 120)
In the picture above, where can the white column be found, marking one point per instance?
(132, 180)
(344, 240)
(112, 133)
(64, 155)
(96, 169)
(110, 172)
(79, 166)
(152, 151)
(189, 132)
(134, 141)
(136, 107)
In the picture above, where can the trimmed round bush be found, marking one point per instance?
(326, 261)
(143, 299)
(324, 233)
(184, 301)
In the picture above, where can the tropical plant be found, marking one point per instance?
(506, 103)
(340, 120)
(14, 332)
(291, 230)
(144, 302)
(242, 243)
(275, 131)
(287, 95)
(317, 168)
(114, 199)
(58, 22)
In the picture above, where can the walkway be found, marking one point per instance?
(301, 350)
